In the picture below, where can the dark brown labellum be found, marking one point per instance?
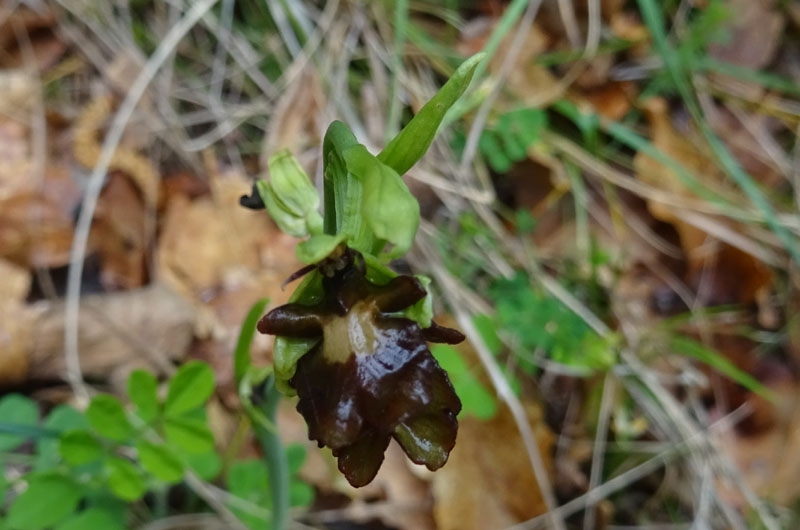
(372, 377)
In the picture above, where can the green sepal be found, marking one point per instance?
(318, 247)
(290, 197)
(291, 184)
(422, 311)
(413, 141)
(286, 221)
(287, 351)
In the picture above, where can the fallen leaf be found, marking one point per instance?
(765, 460)
(119, 234)
(612, 100)
(15, 323)
(720, 272)
(118, 332)
(488, 482)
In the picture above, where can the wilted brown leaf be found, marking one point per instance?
(119, 234)
(728, 274)
(488, 483)
(15, 323)
(36, 204)
(119, 332)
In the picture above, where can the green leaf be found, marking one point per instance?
(318, 247)
(62, 418)
(206, 465)
(93, 519)
(488, 332)
(143, 391)
(519, 129)
(287, 351)
(107, 417)
(160, 461)
(413, 141)
(247, 479)
(388, 207)
(78, 447)
(300, 493)
(475, 399)
(124, 479)
(189, 432)
(295, 456)
(189, 388)
(16, 409)
(48, 500)
(422, 311)
(241, 355)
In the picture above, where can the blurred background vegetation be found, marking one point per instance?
(610, 215)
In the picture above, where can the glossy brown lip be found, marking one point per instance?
(372, 377)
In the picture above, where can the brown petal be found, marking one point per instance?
(292, 320)
(398, 294)
(360, 462)
(428, 439)
(329, 399)
(437, 333)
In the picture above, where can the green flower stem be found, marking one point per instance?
(262, 416)
(275, 456)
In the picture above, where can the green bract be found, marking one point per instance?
(411, 143)
(367, 207)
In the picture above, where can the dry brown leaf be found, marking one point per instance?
(213, 242)
(119, 332)
(119, 234)
(528, 83)
(15, 323)
(727, 274)
(612, 100)
(36, 204)
(487, 482)
(767, 460)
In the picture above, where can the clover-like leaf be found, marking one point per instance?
(107, 417)
(78, 447)
(19, 410)
(189, 388)
(95, 518)
(143, 391)
(160, 461)
(124, 479)
(61, 495)
(189, 432)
